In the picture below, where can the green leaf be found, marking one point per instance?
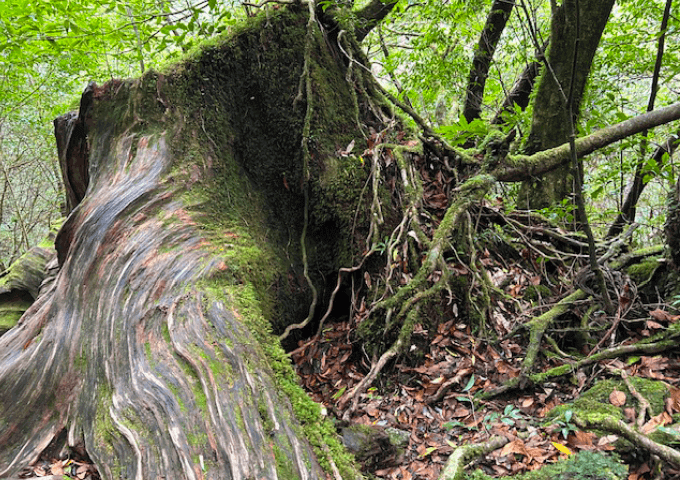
(470, 383)
(339, 393)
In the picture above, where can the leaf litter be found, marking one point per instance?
(428, 394)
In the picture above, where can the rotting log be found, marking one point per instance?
(153, 347)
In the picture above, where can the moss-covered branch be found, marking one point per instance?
(369, 16)
(618, 427)
(659, 343)
(522, 167)
(455, 465)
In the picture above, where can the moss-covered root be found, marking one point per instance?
(538, 326)
(660, 343)
(408, 296)
(461, 456)
(618, 427)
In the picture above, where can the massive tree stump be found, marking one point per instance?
(190, 193)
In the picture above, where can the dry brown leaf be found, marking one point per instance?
(659, 421)
(607, 440)
(617, 398)
(653, 325)
(516, 446)
(675, 399)
(659, 314)
(664, 316)
(57, 468)
(583, 440)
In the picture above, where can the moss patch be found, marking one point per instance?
(596, 400)
(584, 465)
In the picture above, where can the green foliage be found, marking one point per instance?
(509, 416)
(461, 131)
(565, 426)
(49, 51)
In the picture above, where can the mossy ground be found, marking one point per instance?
(581, 466)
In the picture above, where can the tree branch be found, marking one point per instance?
(522, 167)
(371, 15)
(627, 214)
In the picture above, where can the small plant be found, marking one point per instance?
(565, 426)
(372, 394)
(676, 301)
(457, 423)
(509, 416)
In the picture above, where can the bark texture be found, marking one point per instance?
(488, 41)
(550, 123)
(152, 348)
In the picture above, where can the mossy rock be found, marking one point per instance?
(584, 465)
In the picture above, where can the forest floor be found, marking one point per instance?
(428, 395)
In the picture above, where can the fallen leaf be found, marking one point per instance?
(57, 468)
(617, 398)
(663, 316)
(653, 325)
(658, 421)
(561, 448)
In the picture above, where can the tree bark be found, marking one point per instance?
(488, 41)
(153, 348)
(370, 15)
(550, 123)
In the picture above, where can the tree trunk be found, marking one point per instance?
(488, 40)
(550, 123)
(201, 198)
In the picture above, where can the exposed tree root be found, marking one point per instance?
(538, 326)
(406, 298)
(455, 465)
(662, 342)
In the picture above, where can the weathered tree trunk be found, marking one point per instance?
(201, 198)
(551, 123)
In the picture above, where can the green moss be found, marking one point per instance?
(10, 313)
(534, 293)
(199, 395)
(147, 352)
(284, 469)
(104, 431)
(584, 465)
(642, 272)
(595, 402)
